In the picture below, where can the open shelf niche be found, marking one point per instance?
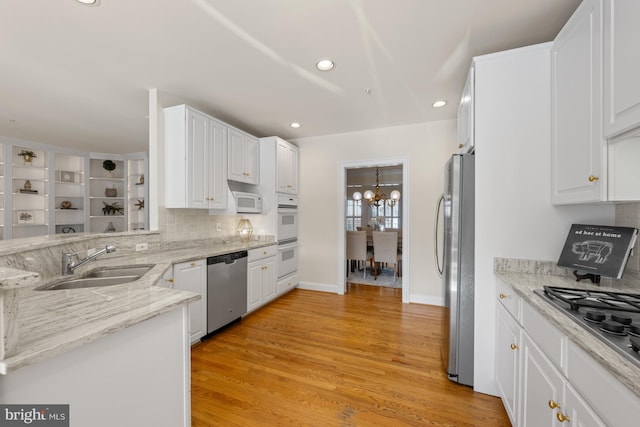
(107, 188)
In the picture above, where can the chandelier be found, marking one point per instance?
(376, 196)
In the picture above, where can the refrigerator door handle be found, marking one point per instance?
(439, 267)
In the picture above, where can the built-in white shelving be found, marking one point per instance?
(64, 191)
(30, 192)
(137, 193)
(69, 194)
(107, 188)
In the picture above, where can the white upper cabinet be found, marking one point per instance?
(466, 115)
(595, 124)
(244, 157)
(286, 167)
(578, 149)
(196, 160)
(621, 66)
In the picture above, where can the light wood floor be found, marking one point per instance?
(320, 359)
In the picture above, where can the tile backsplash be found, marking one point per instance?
(195, 224)
(628, 215)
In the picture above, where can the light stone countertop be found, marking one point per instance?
(524, 283)
(53, 322)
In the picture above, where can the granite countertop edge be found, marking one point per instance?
(524, 283)
(138, 301)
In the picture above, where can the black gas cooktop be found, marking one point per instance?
(613, 317)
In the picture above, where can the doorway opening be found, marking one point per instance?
(359, 214)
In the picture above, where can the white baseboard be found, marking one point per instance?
(425, 299)
(322, 287)
(331, 288)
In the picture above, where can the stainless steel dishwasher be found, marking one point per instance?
(226, 289)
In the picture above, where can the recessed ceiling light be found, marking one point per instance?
(440, 103)
(325, 65)
(295, 125)
(89, 2)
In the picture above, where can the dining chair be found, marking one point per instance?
(385, 251)
(357, 248)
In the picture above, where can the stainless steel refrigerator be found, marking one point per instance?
(457, 270)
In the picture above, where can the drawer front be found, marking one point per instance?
(616, 405)
(545, 335)
(509, 299)
(287, 283)
(261, 253)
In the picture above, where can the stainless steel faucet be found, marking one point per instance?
(70, 260)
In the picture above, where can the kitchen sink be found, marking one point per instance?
(104, 276)
(137, 270)
(90, 282)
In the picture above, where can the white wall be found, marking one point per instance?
(514, 215)
(426, 146)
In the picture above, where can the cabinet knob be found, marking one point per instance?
(553, 404)
(193, 264)
(170, 280)
(460, 145)
(502, 296)
(264, 267)
(593, 178)
(562, 417)
(514, 347)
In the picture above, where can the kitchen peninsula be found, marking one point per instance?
(118, 355)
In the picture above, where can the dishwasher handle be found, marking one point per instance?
(227, 258)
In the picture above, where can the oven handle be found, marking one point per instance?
(287, 209)
(287, 243)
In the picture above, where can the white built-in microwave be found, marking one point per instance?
(247, 202)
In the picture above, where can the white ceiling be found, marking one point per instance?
(78, 76)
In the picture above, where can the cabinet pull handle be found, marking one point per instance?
(593, 178)
(553, 404)
(515, 347)
(562, 417)
(502, 296)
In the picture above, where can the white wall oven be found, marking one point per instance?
(287, 218)
(287, 258)
(287, 235)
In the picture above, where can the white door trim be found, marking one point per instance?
(406, 235)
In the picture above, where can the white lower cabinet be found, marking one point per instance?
(261, 277)
(507, 361)
(167, 280)
(544, 379)
(614, 403)
(192, 276)
(579, 412)
(548, 399)
(542, 387)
